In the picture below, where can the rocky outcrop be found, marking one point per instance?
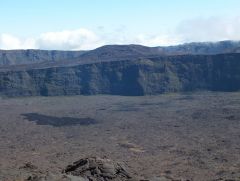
(85, 169)
(143, 76)
(98, 169)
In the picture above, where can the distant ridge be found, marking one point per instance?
(109, 52)
(122, 70)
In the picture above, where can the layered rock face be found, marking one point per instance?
(139, 76)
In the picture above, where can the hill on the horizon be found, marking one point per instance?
(121, 70)
(111, 52)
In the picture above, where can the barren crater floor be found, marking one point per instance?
(192, 136)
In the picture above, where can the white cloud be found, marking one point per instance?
(198, 29)
(209, 29)
(157, 40)
(9, 42)
(69, 40)
(80, 39)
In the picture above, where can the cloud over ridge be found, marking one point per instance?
(197, 29)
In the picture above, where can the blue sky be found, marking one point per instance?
(86, 24)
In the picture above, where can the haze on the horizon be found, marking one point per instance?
(87, 24)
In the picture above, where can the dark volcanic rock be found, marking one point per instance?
(98, 169)
(58, 121)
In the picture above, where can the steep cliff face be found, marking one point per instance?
(129, 77)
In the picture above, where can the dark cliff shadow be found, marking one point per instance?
(41, 119)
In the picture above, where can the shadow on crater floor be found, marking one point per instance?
(41, 119)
